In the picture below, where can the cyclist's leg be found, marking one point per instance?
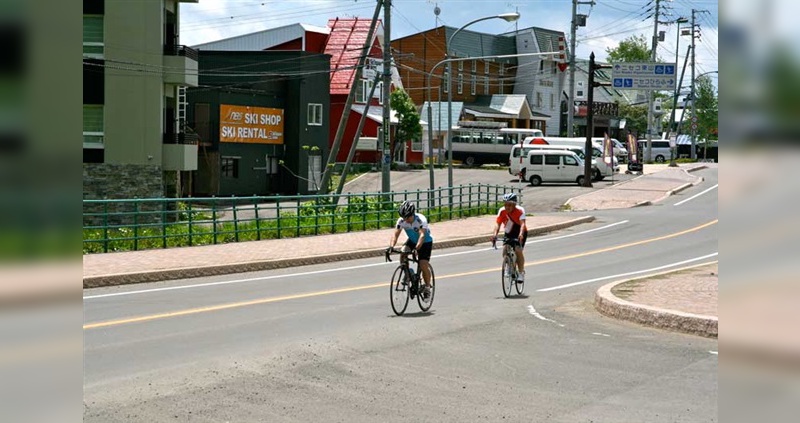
(424, 256)
(520, 255)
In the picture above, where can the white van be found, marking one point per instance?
(600, 169)
(661, 151)
(620, 152)
(541, 165)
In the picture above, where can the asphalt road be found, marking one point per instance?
(321, 342)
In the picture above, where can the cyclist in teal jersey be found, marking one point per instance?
(419, 238)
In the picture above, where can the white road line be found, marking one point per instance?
(315, 272)
(570, 285)
(601, 334)
(575, 234)
(714, 352)
(537, 315)
(695, 196)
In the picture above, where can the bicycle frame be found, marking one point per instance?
(404, 282)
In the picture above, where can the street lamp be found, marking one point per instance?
(508, 17)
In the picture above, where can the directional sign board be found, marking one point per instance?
(643, 76)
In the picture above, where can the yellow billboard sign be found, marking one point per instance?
(251, 125)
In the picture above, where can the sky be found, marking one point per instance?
(608, 22)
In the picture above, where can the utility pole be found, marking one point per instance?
(387, 90)
(675, 106)
(577, 20)
(648, 153)
(694, 116)
(587, 163)
(571, 99)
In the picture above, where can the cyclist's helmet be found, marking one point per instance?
(510, 197)
(406, 209)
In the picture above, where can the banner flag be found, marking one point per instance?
(608, 150)
(633, 151)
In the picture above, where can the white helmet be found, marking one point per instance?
(510, 197)
(406, 209)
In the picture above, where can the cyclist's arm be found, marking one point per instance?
(395, 235)
(496, 230)
(422, 232)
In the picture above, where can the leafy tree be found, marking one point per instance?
(635, 117)
(631, 49)
(706, 108)
(408, 127)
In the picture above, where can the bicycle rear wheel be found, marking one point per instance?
(425, 304)
(508, 276)
(398, 292)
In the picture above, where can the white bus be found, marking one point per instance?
(477, 146)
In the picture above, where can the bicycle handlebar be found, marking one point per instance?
(394, 250)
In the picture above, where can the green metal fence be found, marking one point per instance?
(139, 224)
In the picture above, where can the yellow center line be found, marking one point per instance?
(377, 285)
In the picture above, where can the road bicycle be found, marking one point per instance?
(509, 271)
(407, 284)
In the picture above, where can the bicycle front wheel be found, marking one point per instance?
(398, 291)
(426, 303)
(508, 276)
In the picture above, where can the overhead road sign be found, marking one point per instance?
(643, 76)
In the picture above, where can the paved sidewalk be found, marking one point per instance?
(661, 301)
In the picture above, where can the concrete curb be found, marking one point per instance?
(224, 269)
(610, 305)
(682, 187)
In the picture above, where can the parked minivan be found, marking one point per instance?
(620, 152)
(661, 150)
(541, 165)
(600, 169)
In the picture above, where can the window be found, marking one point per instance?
(461, 66)
(314, 114)
(579, 90)
(474, 81)
(230, 167)
(93, 36)
(362, 90)
(502, 72)
(460, 83)
(486, 85)
(446, 81)
(552, 160)
(485, 68)
(92, 126)
(536, 159)
(552, 102)
(416, 145)
(538, 99)
(570, 161)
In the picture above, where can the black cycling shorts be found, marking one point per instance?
(516, 238)
(424, 252)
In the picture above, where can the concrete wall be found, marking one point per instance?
(133, 95)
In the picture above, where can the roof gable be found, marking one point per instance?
(345, 44)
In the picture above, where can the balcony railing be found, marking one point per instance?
(181, 138)
(181, 50)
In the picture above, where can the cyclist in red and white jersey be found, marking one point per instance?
(512, 217)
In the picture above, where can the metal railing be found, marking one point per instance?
(139, 224)
(181, 50)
